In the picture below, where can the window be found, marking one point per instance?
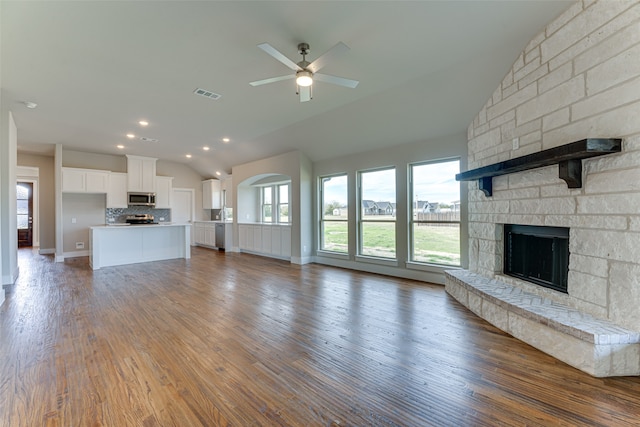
(334, 228)
(274, 200)
(267, 205)
(283, 203)
(435, 208)
(377, 219)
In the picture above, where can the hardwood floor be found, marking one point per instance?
(231, 339)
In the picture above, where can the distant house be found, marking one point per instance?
(430, 207)
(369, 207)
(455, 206)
(336, 212)
(386, 208)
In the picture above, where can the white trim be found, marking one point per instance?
(47, 251)
(74, 254)
(8, 279)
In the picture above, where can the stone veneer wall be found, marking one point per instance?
(579, 78)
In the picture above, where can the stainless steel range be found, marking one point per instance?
(140, 219)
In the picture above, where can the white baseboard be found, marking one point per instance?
(74, 254)
(47, 251)
(10, 279)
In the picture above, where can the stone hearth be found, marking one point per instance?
(595, 346)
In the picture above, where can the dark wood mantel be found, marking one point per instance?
(568, 157)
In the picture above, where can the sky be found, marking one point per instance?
(433, 182)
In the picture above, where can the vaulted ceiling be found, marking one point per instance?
(95, 68)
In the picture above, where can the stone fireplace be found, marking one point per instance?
(579, 78)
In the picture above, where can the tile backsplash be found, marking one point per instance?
(119, 215)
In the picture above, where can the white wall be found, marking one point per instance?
(400, 157)
(8, 219)
(87, 210)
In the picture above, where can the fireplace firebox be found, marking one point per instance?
(537, 254)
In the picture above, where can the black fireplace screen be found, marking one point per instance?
(537, 254)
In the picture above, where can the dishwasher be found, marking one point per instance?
(220, 236)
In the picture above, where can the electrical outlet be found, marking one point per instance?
(112, 220)
(161, 218)
(516, 143)
(79, 245)
(73, 221)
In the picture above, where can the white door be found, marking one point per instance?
(183, 208)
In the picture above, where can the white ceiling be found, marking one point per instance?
(97, 67)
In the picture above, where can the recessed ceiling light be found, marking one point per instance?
(143, 123)
(130, 136)
(30, 104)
(120, 146)
(225, 140)
(218, 173)
(205, 148)
(188, 156)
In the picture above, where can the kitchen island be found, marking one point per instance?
(119, 245)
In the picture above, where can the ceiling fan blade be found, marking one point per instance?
(322, 60)
(340, 81)
(279, 56)
(305, 93)
(272, 79)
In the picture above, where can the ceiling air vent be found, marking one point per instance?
(145, 139)
(207, 94)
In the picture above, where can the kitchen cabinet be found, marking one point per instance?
(199, 233)
(205, 234)
(211, 194)
(128, 245)
(76, 180)
(273, 240)
(117, 192)
(164, 189)
(141, 174)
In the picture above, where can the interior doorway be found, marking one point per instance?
(24, 202)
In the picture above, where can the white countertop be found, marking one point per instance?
(123, 225)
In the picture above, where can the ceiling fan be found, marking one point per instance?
(306, 72)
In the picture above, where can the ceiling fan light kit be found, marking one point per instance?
(306, 71)
(304, 78)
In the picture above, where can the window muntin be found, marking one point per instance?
(377, 214)
(435, 213)
(334, 226)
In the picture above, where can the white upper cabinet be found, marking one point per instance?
(117, 194)
(211, 192)
(164, 188)
(141, 174)
(76, 180)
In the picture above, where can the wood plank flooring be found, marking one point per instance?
(235, 339)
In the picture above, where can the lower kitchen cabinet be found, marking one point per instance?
(205, 234)
(272, 240)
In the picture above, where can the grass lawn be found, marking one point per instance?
(434, 243)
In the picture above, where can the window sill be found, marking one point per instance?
(433, 268)
(378, 261)
(337, 255)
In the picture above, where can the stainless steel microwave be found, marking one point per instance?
(141, 199)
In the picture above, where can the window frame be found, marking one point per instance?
(361, 220)
(412, 221)
(322, 219)
(279, 203)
